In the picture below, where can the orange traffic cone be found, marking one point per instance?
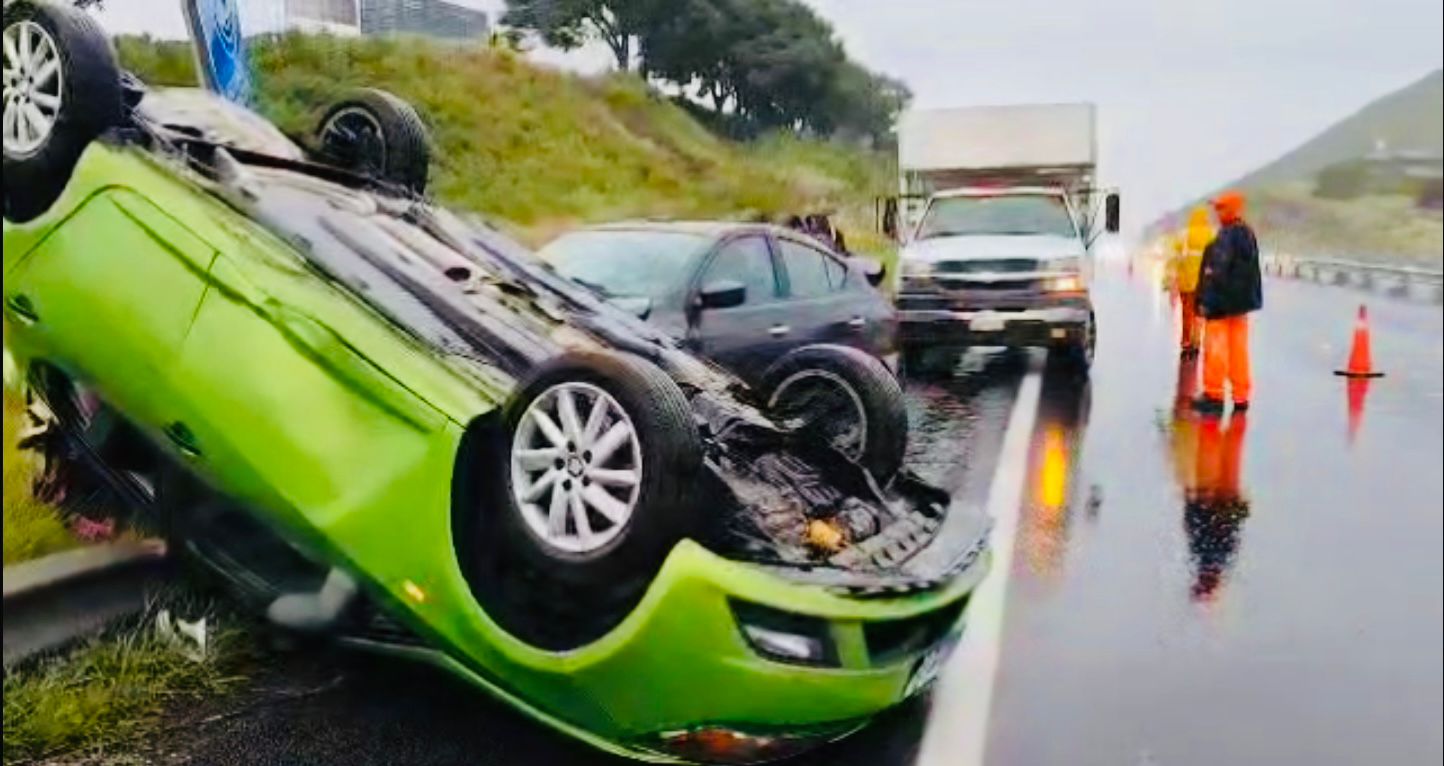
(1361, 363)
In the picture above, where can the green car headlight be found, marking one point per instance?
(784, 637)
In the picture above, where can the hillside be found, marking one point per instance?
(1371, 226)
(1409, 118)
(541, 149)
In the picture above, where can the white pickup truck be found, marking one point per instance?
(998, 253)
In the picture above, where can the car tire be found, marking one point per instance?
(63, 98)
(582, 517)
(376, 133)
(823, 386)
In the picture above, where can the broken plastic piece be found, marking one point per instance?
(188, 637)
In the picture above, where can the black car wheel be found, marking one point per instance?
(601, 461)
(847, 399)
(378, 134)
(61, 90)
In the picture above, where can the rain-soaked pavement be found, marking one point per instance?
(1259, 589)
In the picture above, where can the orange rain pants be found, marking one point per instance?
(1188, 312)
(1225, 358)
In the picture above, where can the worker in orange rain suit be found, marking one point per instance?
(1230, 287)
(1187, 259)
(1215, 507)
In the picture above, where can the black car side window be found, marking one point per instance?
(746, 260)
(811, 273)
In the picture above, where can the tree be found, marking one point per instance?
(864, 104)
(569, 24)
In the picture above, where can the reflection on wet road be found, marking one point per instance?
(1246, 589)
(1260, 588)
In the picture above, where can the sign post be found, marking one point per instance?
(215, 27)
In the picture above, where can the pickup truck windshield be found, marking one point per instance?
(1021, 215)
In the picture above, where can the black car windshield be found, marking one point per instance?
(625, 263)
(1021, 215)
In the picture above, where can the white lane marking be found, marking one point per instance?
(957, 730)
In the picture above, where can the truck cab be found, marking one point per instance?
(996, 267)
(998, 254)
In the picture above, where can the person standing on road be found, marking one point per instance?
(1188, 259)
(1230, 287)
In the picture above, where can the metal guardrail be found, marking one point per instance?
(54, 600)
(1395, 281)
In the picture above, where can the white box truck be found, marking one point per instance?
(997, 215)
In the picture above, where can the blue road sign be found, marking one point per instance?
(215, 27)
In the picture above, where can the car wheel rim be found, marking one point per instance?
(34, 88)
(821, 402)
(356, 135)
(576, 467)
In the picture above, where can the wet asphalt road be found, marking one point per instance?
(1246, 590)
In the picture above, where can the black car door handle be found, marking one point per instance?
(857, 323)
(22, 309)
(183, 439)
(779, 330)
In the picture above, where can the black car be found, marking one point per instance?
(743, 294)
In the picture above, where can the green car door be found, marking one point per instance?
(109, 292)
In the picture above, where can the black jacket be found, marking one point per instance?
(1229, 282)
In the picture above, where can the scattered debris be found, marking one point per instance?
(188, 637)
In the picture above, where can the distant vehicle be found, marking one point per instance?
(999, 254)
(743, 294)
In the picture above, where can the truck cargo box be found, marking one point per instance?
(1044, 144)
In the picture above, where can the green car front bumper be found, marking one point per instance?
(680, 664)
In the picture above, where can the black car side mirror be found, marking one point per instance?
(722, 294)
(1112, 215)
(873, 270)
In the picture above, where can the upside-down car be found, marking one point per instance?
(391, 426)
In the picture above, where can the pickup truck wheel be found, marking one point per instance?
(1077, 356)
(601, 461)
(376, 133)
(845, 398)
(61, 90)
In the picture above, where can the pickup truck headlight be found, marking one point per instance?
(1069, 284)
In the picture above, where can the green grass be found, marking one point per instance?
(110, 690)
(112, 687)
(542, 149)
(32, 529)
(1386, 228)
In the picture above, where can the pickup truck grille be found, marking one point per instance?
(999, 285)
(990, 266)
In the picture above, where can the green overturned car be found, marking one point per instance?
(391, 426)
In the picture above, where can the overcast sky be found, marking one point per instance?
(1190, 95)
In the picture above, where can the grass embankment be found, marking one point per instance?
(113, 686)
(542, 149)
(1383, 228)
(32, 529)
(91, 700)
